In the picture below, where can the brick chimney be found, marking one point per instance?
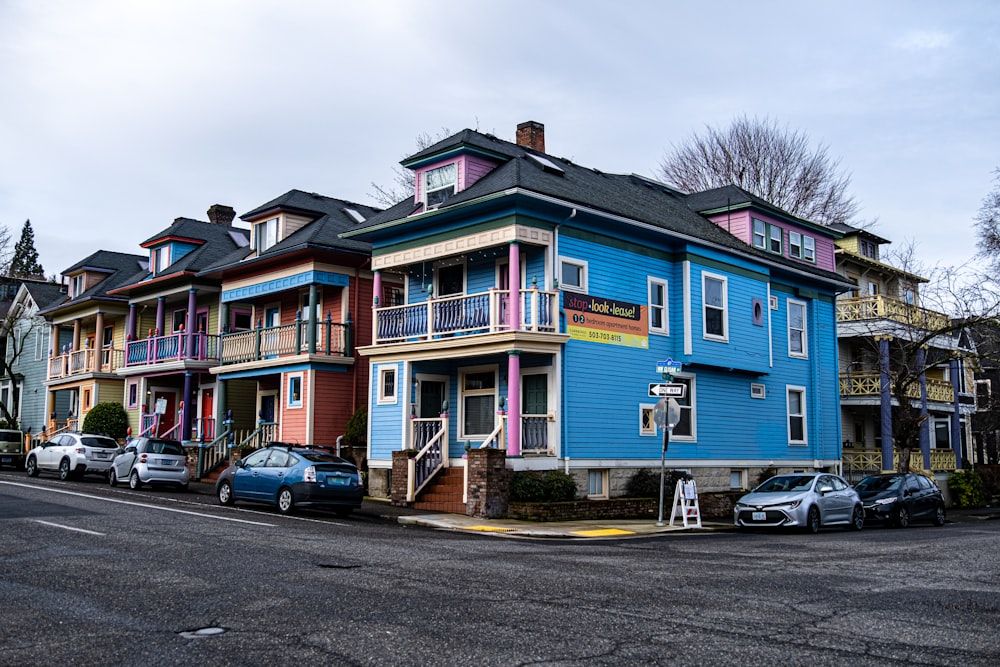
(531, 134)
(220, 214)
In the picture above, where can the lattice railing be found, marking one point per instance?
(860, 308)
(867, 383)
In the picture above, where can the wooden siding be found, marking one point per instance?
(385, 421)
(332, 406)
(294, 420)
(738, 223)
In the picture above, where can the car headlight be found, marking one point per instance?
(795, 503)
(885, 501)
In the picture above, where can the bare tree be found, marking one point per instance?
(16, 328)
(988, 224)
(769, 161)
(402, 180)
(6, 250)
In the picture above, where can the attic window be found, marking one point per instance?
(545, 163)
(353, 213)
(77, 285)
(160, 259)
(439, 184)
(265, 234)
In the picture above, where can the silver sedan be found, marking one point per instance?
(801, 500)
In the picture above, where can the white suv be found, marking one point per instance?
(73, 455)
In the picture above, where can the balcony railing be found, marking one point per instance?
(879, 307)
(480, 313)
(868, 384)
(285, 340)
(78, 362)
(859, 463)
(172, 347)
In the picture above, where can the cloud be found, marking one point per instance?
(923, 40)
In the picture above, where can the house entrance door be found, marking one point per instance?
(535, 412)
(430, 399)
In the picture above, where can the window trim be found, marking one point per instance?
(384, 398)
(804, 415)
(132, 395)
(645, 408)
(602, 475)
(761, 235)
(664, 329)
(260, 232)
(438, 266)
(705, 277)
(809, 248)
(804, 354)
(691, 405)
(583, 265)
(291, 402)
(463, 393)
(425, 190)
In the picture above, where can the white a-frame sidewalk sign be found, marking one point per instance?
(686, 504)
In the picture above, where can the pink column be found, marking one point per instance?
(514, 280)
(190, 333)
(514, 403)
(376, 298)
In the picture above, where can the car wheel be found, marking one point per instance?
(813, 521)
(64, 471)
(226, 493)
(133, 480)
(857, 518)
(285, 500)
(184, 486)
(31, 467)
(939, 516)
(903, 518)
(112, 477)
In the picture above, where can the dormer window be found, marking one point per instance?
(868, 249)
(160, 259)
(439, 184)
(265, 234)
(77, 284)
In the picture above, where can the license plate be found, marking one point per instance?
(759, 516)
(166, 462)
(336, 481)
(7, 459)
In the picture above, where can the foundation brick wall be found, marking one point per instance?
(489, 483)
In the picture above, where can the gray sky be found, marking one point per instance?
(117, 116)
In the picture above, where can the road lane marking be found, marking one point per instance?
(129, 502)
(59, 525)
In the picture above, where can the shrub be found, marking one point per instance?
(356, 430)
(764, 475)
(967, 489)
(645, 483)
(550, 487)
(107, 419)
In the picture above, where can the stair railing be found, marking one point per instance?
(430, 458)
(210, 454)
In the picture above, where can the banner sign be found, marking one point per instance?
(598, 320)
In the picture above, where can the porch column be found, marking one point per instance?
(223, 318)
(160, 303)
(99, 344)
(956, 424)
(187, 410)
(312, 321)
(191, 315)
(376, 302)
(886, 402)
(76, 334)
(925, 438)
(54, 349)
(220, 406)
(130, 327)
(514, 403)
(514, 279)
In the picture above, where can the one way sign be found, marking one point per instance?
(672, 389)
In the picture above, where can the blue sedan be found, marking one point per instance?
(290, 476)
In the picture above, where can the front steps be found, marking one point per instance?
(444, 493)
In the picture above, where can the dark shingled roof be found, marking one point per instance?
(219, 241)
(45, 294)
(121, 269)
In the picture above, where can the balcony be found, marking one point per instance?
(878, 307)
(285, 340)
(480, 313)
(171, 348)
(80, 362)
(867, 384)
(858, 463)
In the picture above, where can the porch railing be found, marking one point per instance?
(172, 347)
(212, 453)
(859, 463)
(861, 308)
(105, 360)
(430, 438)
(283, 340)
(868, 383)
(480, 313)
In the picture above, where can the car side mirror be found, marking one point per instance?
(238, 464)
(823, 490)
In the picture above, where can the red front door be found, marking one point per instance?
(208, 415)
(169, 417)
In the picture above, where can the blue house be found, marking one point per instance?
(522, 302)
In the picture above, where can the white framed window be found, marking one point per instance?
(265, 234)
(295, 391)
(797, 338)
(715, 309)
(440, 183)
(41, 343)
(796, 402)
(304, 305)
(687, 428)
(387, 385)
(794, 245)
(809, 248)
(647, 426)
(758, 390)
(477, 401)
(160, 258)
(573, 274)
(759, 234)
(774, 238)
(597, 483)
(659, 319)
(132, 395)
(77, 285)
(737, 479)
(449, 279)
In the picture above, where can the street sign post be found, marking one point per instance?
(666, 415)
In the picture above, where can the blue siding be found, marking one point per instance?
(385, 422)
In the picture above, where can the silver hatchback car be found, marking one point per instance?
(151, 461)
(802, 500)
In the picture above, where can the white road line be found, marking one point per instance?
(59, 525)
(128, 502)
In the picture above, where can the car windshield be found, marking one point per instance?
(97, 441)
(786, 483)
(880, 483)
(11, 436)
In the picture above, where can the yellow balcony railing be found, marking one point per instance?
(867, 383)
(879, 307)
(870, 460)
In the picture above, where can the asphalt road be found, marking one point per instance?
(99, 576)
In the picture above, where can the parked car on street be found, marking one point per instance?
(899, 499)
(11, 448)
(72, 455)
(801, 500)
(290, 476)
(150, 461)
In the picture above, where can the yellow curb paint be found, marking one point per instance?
(490, 529)
(604, 532)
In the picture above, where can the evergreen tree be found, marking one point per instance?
(25, 262)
